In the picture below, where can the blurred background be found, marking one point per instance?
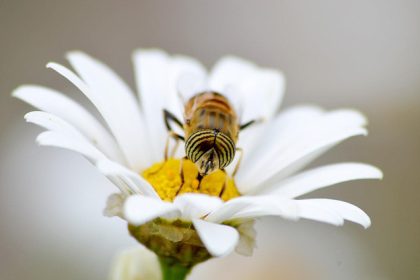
(361, 54)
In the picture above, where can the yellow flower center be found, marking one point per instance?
(170, 179)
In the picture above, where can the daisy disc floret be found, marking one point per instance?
(188, 221)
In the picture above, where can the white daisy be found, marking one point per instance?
(136, 264)
(129, 149)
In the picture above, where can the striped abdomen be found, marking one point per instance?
(210, 150)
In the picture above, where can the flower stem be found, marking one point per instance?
(173, 270)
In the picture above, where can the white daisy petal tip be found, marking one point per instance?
(219, 239)
(374, 172)
(363, 118)
(356, 215)
(58, 68)
(139, 209)
(44, 138)
(149, 51)
(361, 219)
(361, 132)
(326, 210)
(20, 92)
(35, 116)
(40, 139)
(27, 116)
(78, 53)
(235, 60)
(51, 64)
(379, 173)
(350, 116)
(367, 223)
(238, 64)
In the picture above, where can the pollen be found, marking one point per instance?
(177, 176)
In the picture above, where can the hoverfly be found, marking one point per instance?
(211, 129)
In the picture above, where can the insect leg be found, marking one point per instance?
(239, 161)
(175, 148)
(222, 191)
(168, 116)
(199, 178)
(176, 137)
(251, 122)
(181, 174)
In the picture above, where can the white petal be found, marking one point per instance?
(52, 122)
(278, 161)
(257, 91)
(269, 206)
(313, 211)
(229, 71)
(157, 75)
(339, 208)
(55, 139)
(249, 207)
(134, 181)
(247, 237)
(54, 102)
(323, 210)
(228, 209)
(115, 103)
(114, 205)
(195, 205)
(321, 177)
(281, 129)
(265, 91)
(299, 159)
(219, 240)
(64, 135)
(152, 71)
(247, 140)
(140, 209)
(181, 68)
(136, 264)
(125, 122)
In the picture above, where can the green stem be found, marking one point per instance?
(172, 270)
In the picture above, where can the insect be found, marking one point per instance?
(211, 128)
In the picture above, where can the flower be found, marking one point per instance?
(136, 264)
(216, 215)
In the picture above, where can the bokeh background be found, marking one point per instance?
(363, 54)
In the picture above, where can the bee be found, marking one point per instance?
(211, 128)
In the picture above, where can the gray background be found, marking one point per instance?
(362, 54)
